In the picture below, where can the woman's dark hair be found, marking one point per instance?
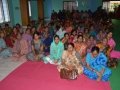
(36, 34)
(27, 29)
(56, 36)
(80, 36)
(70, 44)
(18, 24)
(95, 48)
(91, 36)
(57, 27)
(14, 27)
(73, 31)
(6, 25)
(66, 34)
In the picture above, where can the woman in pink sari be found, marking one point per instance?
(28, 37)
(113, 53)
(20, 48)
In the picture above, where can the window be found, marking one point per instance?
(29, 8)
(4, 12)
(70, 5)
(110, 5)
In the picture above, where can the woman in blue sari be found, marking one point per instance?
(56, 50)
(47, 42)
(97, 65)
(4, 50)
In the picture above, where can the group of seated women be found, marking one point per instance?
(83, 44)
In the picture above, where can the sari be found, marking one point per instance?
(37, 53)
(56, 51)
(97, 63)
(90, 44)
(47, 42)
(81, 48)
(4, 50)
(113, 52)
(70, 60)
(20, 47)
(28, 38)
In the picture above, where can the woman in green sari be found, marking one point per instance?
(56, 50)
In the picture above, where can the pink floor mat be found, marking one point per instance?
(40, 76)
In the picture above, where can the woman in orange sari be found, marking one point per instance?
(104, 47)
(81, 48)
(68, 26)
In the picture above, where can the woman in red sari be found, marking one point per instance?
(14, 34)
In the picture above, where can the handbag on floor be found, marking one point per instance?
(68, 74)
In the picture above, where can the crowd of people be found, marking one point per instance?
(71, 40)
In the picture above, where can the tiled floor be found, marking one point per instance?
(7, 66)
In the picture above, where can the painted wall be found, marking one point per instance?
(15, 13)
(34, 10)
(47, 8)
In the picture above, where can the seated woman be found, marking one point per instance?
(27, 36)
(14, 34)
(4, 50)
(73, 36)
(86, 34)
(68, 26)
(61, 32)
(90, 43)
(20, 47)
(8, 29)
(65, 40)
(56, 50)
(47, 42)
(111, 42)
(33, 30)
(70, 60)
(81, 48)
(96, 65)
(9, 41)
(100, 36)
(104, 47)
(37, 52)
